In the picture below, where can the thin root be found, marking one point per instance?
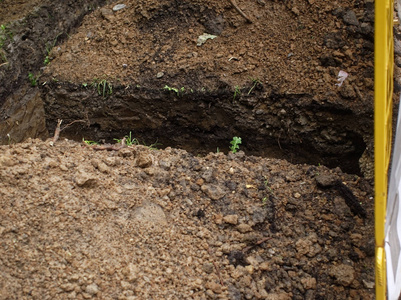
(240, 11)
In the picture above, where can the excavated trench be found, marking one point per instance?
(294, 128)
(271, 123)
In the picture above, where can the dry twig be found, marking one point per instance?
(246, 249)
(56, 132)
(76, 121)
(240, 11)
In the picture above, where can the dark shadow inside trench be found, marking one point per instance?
(203, 123)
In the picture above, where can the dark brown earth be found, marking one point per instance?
(137, 223)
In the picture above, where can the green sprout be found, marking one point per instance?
(90, 142)
(264, 200)
(235, 144)
(237, 92)
(177, 91)
(103, 87)
(49, 47)
(129, 140)
(33, 79)
(4, 33)
(255, 82)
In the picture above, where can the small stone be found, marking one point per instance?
(118, 7)
(159, 75)
(213, 192)
(309, 283)
(243, 228)
(63, 167)
(151, 214)
(7, 161)
(83, 179)
(297, 195)
(350, 18)
(344, 274)
(131, 272)
(231, 219)
(215, 287)
(101, 166)
(144, 160)
(325, 181)
(348, 92)
(295, 10)
(264, 266)
(125, 152)
(208, 268)
(250, 269)
(107, 14)
(92, 289)
(68, 287)
(368, 284)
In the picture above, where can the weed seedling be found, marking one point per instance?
(49, 47)
(177, 91)
(90, 142)
(236, 141)
(33, 79)
(103, 87)
(264, 200)
(129, 140)
(237, 92)
(255, 82)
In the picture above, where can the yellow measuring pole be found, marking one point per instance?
(384, 59)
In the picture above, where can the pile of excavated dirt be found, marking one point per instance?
(136, 223)
(298, 47)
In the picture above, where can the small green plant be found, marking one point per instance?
(3, 58)
(264, 200)
(236, 141)
(129, 140)
(269, 189)
(49, 47)
(255, 82)
(103, 87)
(177, 91)
(90, 142)
(33, 79)
(237, 92)
(4, 34)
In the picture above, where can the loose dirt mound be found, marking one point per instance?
(296, 46)
(147, 224)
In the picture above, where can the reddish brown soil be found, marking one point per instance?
(284, 47)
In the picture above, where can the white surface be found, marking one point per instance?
(393, 222)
